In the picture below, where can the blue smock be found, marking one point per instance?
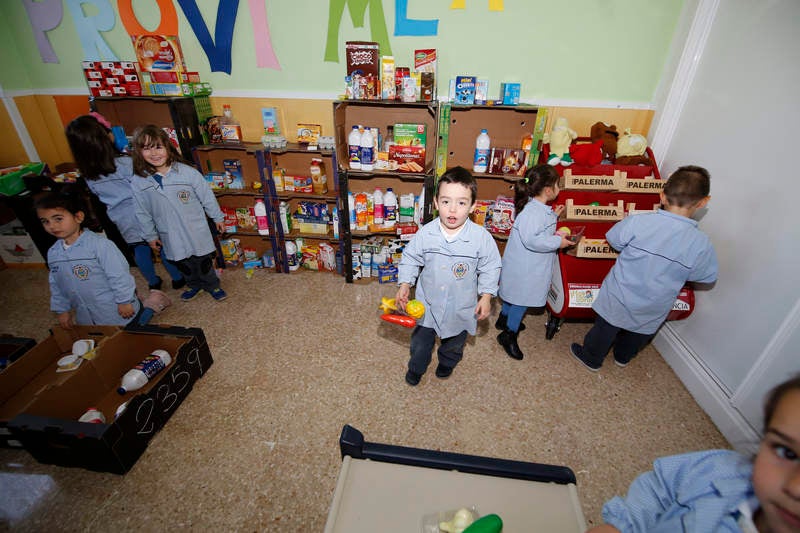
(92, 277)
(698, 491)
(176, 213)
(529, 256)
(114, 190)
(452, 275)
(659, 253)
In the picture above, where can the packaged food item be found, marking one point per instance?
(138, 376)
(465, 90)
(387, 78)
(319, 181)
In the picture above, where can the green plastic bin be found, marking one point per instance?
(11, 182)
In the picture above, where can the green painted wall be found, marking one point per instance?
(595, 50)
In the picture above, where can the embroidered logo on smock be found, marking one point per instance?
(184, 196)
(460, 270)
(81, 272)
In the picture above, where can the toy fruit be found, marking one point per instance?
(415, 309)
(462, 519)
(388, 305)
(564, 230)
(490, 523)
(595, 203)
(401, 320)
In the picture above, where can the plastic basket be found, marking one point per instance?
(11, 178)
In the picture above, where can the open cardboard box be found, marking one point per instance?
(42, 407)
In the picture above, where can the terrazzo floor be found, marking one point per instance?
(254, 447)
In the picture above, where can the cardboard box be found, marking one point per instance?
(158, 53)
(44, 406)
(112, 78)
(12, 348)
(362, 58)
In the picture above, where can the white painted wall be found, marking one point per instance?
(740, 120)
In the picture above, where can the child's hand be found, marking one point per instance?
(558, 209)
(484, 306)
(401, 298)
(125, 310)
(221, 226)
(565, 242)
(65, 320)
(155, 245)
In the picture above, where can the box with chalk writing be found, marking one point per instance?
(42, 403)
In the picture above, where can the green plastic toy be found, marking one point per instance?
(491, 523)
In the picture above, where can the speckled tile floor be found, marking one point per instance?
(254, 447)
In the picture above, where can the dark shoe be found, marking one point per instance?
(412, 378)
(502, 320)
(157, 285)
(577, 352)
(621, 364)
(218, 294)
(178, 284)
(189, 294)
(508, 340)
(443, 372)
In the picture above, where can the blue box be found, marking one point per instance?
(233, 174)
(509, 93)
(387, 273)
(465, 90)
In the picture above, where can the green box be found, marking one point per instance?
(409, 134)
(11, 178)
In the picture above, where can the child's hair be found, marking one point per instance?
(91, 146)
(68, 198)
(776, 395)
(147, 137)
(687, 186)
(535, 180)
(461, 176)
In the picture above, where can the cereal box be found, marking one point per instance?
(388, 89)
(465, 90)
(233, 174)
(362, 58)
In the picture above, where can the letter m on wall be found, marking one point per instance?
(357, 10)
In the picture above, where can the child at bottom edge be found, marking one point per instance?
(460, 266)
(88, 273)
(722, 490)
(658, 253)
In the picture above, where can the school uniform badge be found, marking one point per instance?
(460, 270)
(81, 272)
(184, 196)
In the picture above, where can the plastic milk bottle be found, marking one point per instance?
(138, 376)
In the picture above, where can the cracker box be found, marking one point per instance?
(407, 158)
(409, 134)
(362, 57)
(42, 406)
(158, 53)
(465, 90)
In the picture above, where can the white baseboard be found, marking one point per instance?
(707, 392)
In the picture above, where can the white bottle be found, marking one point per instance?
(283, 212)
(389, 208)
(482, 145)
(367, 150)
(260, 211)
(377, 209)
(354, 148)
(138, 376)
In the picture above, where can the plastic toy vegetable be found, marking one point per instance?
(388, 305)
(415, 309)
(490, 523)
(402, 320)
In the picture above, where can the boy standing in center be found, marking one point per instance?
(460, 267)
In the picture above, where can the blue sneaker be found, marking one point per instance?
(218, 294)
(189, 294)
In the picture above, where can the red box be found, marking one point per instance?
(112, 78)
(407, 158)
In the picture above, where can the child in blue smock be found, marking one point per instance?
(172, 201)
(658, 253)
(108, 175)
(455, 266)
(89, 276)
(530, 253)
(721, 490)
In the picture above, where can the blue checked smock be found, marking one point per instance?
(453, 275)
(176, 213)
(92, 277)
(659, 253)
(693, 492)
(529, 256)
(114, 190)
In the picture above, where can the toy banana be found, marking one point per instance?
(388, 305)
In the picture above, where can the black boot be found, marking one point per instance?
(508, 340)
(501, 322)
